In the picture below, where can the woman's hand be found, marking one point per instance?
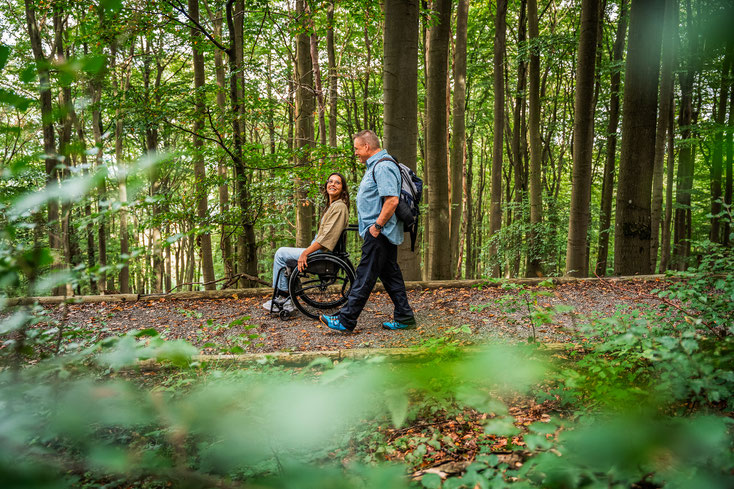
(302, 261)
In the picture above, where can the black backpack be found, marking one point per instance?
(411, 192)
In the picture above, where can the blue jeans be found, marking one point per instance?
(379, 260)
(281, 257)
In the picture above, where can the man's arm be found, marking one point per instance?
(388, 209)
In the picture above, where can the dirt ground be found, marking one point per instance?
(240, 324)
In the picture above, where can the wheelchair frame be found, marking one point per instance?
(324, 286)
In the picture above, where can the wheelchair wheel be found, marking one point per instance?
(323, 287)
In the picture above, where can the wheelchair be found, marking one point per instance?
(324, 285)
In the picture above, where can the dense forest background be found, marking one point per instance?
(576, 137)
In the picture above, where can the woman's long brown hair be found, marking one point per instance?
(344, 196)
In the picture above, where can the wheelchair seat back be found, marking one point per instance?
(341, 245)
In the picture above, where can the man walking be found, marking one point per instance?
(377, 199)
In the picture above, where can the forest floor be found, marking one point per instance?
(240, 324)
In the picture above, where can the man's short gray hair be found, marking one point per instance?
(369, 138)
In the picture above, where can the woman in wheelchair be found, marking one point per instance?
(333, 223)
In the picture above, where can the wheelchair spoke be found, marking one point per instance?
(323, 287)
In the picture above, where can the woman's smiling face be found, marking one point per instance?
(334, 187)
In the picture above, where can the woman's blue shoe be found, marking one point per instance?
(333, 323)
(395, 325)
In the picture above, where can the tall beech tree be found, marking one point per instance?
(534, 181)
(686, 153)
(583, 140)
(610, 161)
(200, 186)
(304, 125)
(400, 89)
(717, 153)
(43, 67)
(729, 143)
(661, 137)
(498, 83)
(458, 138)
(439, 254)
(632, 220)
(518, 135)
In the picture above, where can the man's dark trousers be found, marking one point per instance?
(379, 260)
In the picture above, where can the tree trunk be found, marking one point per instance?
(400, 89)
(469, 243)
(47, 118)
(717, 156)
(495, 210)
(666, 93)
(534, 267)
(665, 252)
(458, 140)
(151, 146)
(439, 254)
(314, 49)
(642, 68)
(583, 140)
(304, 127)
(520, 181)
(684, 181)
(333, 94)
(225, 242)
(610, 163)
(120, 93)
(200, 186)
(729, 162)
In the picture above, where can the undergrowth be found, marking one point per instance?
(646, 401)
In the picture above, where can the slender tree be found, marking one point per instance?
(583, 140)
(439, 254)
(686, 156)
(729, 143)
(333, 93)
(717, 154)
(495, 210)
(666, 94)
(51, 160)
(610, 162)
(200, 185)
(518, 135)
(534, 267)
(304, 125)
(458, 139)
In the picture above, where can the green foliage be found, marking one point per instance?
(680, 354)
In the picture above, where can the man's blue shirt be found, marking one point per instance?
(386, 183)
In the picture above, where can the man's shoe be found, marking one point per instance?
(333, 323)
(271, 306)
(395, 325)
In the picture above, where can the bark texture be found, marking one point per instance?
(439, 254)
(583, 140)
(400, 90)
(610, 162)
(458, 138)
(495, 210)
(632, 220)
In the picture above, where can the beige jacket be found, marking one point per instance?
(332, 224)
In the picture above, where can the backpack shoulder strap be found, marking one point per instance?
(387, 158)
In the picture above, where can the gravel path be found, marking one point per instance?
(241, 325)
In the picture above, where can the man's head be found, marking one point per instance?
(366, 144)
